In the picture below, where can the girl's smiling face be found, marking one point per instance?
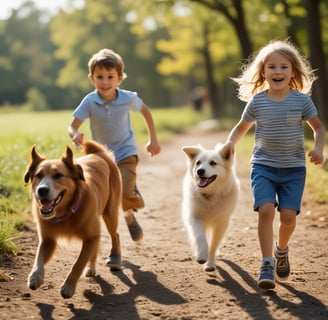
(278, 71)
(106, 81)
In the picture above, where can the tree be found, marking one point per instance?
(317, 56)
(26, 59)
(234, 13)
(100, 24)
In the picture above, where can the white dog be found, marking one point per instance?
(210, 194)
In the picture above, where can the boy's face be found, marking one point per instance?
(106, 81)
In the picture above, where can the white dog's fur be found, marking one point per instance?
(210, 194)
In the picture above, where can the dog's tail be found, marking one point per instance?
(89, 146)
(115, 180)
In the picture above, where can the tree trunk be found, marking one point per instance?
(320, 92)
(213, 89)
(241, 30)
(237, 21)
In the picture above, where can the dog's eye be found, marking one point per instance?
(198, 162)
(38, 175)
(58, 175)
(213, 163)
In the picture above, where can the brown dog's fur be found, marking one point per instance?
(68, 198)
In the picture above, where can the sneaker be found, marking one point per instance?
(266, 278)
(134, 229)
(282, 263)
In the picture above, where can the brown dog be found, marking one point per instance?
(69, 197)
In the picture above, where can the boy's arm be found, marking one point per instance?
(319, 136)
(152, 146)
(73, 132)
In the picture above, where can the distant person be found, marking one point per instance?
(108, 109)
(275, 85)
(197, 98)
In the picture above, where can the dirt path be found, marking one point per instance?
(160, 279)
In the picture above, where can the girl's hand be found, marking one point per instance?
(229, 146)
(315, 156)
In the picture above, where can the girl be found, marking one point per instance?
(276, 84)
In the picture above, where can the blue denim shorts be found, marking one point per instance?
(282, 186)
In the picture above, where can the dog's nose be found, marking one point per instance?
(42, 191)
(201, 172)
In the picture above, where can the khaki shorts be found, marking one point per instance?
(132, 198)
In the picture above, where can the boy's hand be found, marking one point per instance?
(315, 156)
(78, 139)
(153, 148)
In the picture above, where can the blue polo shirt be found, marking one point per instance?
(110, 123)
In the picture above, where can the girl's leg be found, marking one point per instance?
(286, 227)
(265, 228)
(266, 214)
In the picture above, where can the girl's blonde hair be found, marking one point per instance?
(251, 80)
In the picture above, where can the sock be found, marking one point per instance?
(279, 250)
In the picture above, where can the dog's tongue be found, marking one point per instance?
(47, 206)
(203, 182)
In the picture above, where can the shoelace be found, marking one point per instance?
(282, 261)
(266, 268)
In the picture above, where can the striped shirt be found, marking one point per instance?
(279, 135)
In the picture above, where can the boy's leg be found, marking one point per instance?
(135, 229)
(132, 198)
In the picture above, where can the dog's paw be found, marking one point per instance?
(201, 256)
(35, 280)
(209, 269)
(90, 272)
(67, 291)
(209, 266)
(201, 261)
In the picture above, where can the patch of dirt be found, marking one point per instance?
(160, 279)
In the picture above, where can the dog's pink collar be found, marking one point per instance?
(69, 213)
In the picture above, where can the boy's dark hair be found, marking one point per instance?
(107, 58)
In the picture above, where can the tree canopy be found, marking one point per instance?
(168, 46)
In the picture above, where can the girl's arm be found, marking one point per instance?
(319, 136)
(152, 146)
(238, 131)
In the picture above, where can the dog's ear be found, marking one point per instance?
(75, 169)
(191, 151)
(226, 152)
(35, 160)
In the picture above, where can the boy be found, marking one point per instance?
(108, 109)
